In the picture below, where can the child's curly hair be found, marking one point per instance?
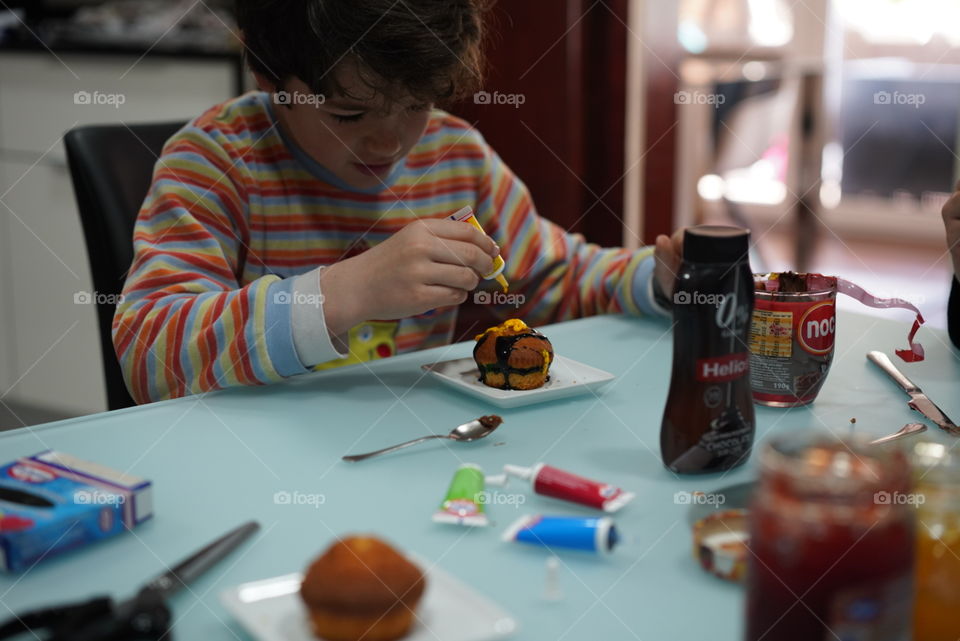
(430, 49)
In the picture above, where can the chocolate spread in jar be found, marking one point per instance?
(792, 337)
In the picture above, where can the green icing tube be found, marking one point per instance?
(463, 504)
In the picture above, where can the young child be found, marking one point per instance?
(280, 220)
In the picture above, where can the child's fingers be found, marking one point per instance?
(660, 248)
(453, 276)
(465, 232)
(666, 253)
(442, 296)
(667, 260)
(461, 254)
(951, 209)
(677, 242)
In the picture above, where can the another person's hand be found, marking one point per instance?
(428, 264)
(951, 221)
(668, 253)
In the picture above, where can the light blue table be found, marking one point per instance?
(219, 460)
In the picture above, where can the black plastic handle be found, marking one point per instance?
(58, 617)
(147, 619)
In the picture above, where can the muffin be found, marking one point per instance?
(362, 588)
(513, 356)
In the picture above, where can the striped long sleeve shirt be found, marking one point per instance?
(236, 215)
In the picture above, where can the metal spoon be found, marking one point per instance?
(906, 430)
(475, 429)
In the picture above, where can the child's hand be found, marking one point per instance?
(428, 264)
(951, 221)
(668, 254)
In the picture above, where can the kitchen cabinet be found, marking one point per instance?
(49, 350)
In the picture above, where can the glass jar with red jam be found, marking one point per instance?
(831, 542)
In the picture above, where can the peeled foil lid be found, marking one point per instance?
(818, 281)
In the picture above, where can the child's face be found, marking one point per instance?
(359, 139)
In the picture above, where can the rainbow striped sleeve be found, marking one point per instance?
(186, 324)
(560, 275)
(236, 215)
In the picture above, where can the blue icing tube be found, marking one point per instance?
(591, 534)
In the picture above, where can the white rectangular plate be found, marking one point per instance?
(271, 610)
(567, 378)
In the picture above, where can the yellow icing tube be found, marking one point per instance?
(466, 215)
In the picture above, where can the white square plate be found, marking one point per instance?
(567, 378)
(271, 610)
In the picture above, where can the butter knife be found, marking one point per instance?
(918, 400)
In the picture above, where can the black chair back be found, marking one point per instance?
(111, 167)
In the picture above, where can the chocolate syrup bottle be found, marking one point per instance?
(708, 422)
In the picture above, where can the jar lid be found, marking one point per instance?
(720, 543)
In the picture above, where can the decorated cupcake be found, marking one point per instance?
(513, 356)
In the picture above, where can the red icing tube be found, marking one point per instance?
(560, 484)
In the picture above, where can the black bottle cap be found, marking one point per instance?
(716, 244)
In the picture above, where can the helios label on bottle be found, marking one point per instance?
(719, 369)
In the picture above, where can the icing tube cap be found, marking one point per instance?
(552, 591)
(497, 480)
(519, 471)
